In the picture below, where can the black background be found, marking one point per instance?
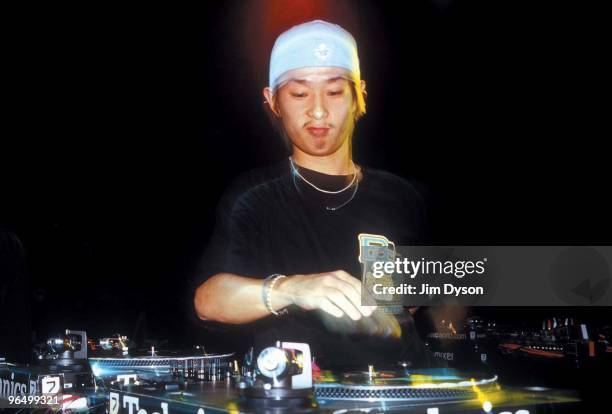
(127, 124)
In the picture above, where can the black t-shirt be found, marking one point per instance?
(271, 221)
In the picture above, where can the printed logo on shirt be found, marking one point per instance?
(376, 248)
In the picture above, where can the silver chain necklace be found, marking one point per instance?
(296, 172)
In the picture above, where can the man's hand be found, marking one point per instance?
(337, 293)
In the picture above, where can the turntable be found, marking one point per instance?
(58, 379)
(113, 359)
(280, 380)
(434, 384)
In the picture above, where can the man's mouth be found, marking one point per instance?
(318, 131)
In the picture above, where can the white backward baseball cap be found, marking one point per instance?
(313, 44)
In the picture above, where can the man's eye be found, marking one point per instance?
(334, 93)
(298, 95)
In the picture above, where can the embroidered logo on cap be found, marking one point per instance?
(322, 52)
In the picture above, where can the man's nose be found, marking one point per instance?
(318, 110)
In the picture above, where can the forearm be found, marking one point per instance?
(234, 299)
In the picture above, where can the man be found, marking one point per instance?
(287, 235)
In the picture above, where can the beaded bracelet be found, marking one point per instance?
(266, 292)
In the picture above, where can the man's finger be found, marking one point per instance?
(354, 296)
(340, 300)
(367, 310)
(353, 292)
(330, 308)
(341, 274)
(348, 289)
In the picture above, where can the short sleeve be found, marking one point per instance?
(413, 197)
(232, 247)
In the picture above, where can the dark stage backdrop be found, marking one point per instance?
(131, 121)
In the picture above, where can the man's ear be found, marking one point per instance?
(363, 89)
(269, 99)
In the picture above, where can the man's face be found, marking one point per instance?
(317, 109)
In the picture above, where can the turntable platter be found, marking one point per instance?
(441, 384)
